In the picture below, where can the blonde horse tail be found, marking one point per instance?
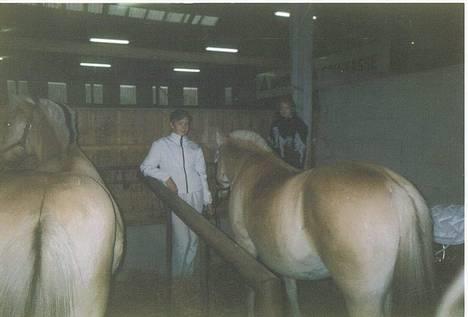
(452, 304)
(41, 279)
(413, 282)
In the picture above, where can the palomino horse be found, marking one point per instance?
(363, 225)
(61, 234)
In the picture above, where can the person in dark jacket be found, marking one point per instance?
(288, 134)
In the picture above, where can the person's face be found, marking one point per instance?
(285, 110)
(181, 127)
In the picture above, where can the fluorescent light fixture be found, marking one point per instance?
(95, 65)
(188, 70)
(283, 14)
(222, 49)
(108, 41)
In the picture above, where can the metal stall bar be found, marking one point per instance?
(267, 286)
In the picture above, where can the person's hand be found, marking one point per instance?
(171, 185)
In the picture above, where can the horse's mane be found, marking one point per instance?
(251, 139)
(61, 118)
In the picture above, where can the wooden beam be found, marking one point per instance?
(129, 52)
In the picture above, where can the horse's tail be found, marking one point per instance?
(38, 274)
(452, 304)
(413, 282)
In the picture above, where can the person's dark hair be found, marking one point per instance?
(177, 115)
(287, 99)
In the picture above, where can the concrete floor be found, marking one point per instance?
(145, 295)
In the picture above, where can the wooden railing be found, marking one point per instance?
(267, 286)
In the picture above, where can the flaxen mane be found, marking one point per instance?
(64, 118)
(250, 138)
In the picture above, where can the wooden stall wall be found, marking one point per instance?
(118, 139)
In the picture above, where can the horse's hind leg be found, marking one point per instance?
(291, 292)
(360, 304)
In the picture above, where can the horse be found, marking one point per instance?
(61, 233)
(452, 302)
(361, 224)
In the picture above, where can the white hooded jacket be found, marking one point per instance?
(183, 162)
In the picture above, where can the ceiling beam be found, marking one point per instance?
(127, 52)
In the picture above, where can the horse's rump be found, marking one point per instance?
(57, 232)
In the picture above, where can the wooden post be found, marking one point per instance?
(168, 258)
(205, 274)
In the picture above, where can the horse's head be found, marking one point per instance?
(15, 126)
(233, 149)
(41, 130)
(222, 178)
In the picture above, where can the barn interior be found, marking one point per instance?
(380, 82)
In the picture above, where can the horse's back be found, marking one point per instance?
(56, 240)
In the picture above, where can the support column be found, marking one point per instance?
(301, 45)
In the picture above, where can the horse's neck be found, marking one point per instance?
(259, 160)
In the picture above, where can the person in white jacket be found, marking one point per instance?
(179, 163)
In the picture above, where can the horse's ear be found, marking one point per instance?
(220, 139)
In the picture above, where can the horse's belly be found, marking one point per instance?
(295, 257)
(310, 268)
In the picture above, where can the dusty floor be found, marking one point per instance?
(145, 295)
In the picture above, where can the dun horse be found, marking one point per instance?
(61, 234)
(363, 225)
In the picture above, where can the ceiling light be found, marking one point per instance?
(5, 29)
(109, 41)
(188, 70)
(222, 49)
(1, 58)
(283, 14)
(314, 17)
(95, 65)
